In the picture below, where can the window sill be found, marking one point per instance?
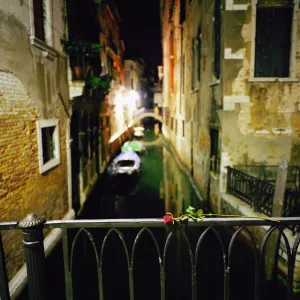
(215, 82)
(49, 165)
(48, 51)
(273, 79)
(195, 90)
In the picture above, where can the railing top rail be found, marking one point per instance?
(8, 225)
(139, 223)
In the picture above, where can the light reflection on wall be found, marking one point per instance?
(125, 104)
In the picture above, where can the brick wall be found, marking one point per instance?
(23, 189)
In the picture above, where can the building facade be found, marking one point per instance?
(231, 92)
(34, 119)
(225, 103)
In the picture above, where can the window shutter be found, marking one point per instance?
(273, 41)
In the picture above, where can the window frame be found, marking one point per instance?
(44, 167)
(214, 150)
(45, 45)
(217, 39)
(292, 64)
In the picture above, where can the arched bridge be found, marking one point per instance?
(144, 113)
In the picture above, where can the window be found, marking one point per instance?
(182, 81)
(196, 62)
(39, 19)
(132, 84)
(273, 37)
(183, 75)
(48, 144)
(214, 150)
(182, 11)
(171, 123)
(176, 126)
(198, 49)
(217, 39)
(172, 65)
(183, 128)
(193, 64)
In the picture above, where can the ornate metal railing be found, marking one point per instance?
(268, 173)
(33, 226)
(257, 193)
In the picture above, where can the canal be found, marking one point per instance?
(161, 187)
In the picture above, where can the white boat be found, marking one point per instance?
(138, 134)
(127, 162)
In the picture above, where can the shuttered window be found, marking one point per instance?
(273, 40)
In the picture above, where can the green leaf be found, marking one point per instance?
(199, 213)
(190, 210)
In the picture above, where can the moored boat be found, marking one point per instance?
(127, 163)
(135, 146)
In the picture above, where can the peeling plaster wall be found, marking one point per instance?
(258, 121)
(264, 115)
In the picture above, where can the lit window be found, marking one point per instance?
(48, 144)
(273, 40)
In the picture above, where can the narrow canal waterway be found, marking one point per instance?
(161, 187)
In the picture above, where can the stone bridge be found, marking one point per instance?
(144, 113)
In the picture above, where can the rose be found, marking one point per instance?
(168, 219)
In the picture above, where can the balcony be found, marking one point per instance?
(258, 189)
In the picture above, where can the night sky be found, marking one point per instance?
(140, 30)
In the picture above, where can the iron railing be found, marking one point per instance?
(268, 173)
(32, 239)
(257, 193)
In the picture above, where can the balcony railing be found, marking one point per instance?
(259, 193)
(162, 243)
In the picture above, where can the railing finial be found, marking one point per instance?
(31, 221)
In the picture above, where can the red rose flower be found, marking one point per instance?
(168, 219)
